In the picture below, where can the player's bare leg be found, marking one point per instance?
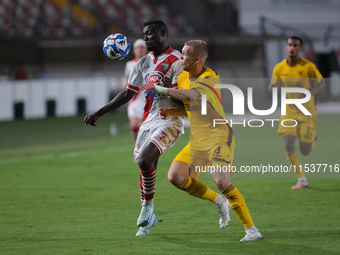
(134, 127)
(179, 176)
(289, 141)
(147, 159)
(306, 148)
(238, 204)
(294, 161)
(178, 172)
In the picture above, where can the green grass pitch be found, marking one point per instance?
(70, 189)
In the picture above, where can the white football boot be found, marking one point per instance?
(301, 184)
(252, 235)
(145, 215)
(145, 231)
(224, 211)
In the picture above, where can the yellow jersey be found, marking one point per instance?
(302, 75)
(203, 130)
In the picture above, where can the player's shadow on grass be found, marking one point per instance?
(280, 242)
(324, 188)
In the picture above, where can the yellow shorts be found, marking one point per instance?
(218, 154)
(184, 155)
(305, 128)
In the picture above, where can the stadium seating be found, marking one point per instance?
(59, 18)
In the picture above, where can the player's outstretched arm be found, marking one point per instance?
(184, 94)
(121, 99)
(177, 111)
(180, 94)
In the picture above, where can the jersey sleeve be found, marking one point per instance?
(174, 72)
(315, 74)
(135, 78)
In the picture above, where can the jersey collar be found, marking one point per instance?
(167, 51)
(199, 74)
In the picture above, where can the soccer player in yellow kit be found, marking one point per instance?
(208, 145)
(296, 71)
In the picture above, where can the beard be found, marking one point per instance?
(188, 65)
(150, 47)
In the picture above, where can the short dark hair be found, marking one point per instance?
(159, 24)
(296, 38)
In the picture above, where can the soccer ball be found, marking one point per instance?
(116, 46)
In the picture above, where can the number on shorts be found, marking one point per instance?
(218, 150)
(310, 131)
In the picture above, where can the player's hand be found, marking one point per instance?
(162, 113)
(166, 82)
(270, 87)
(148, 86)
(91, 119)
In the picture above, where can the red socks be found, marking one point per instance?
(147, 185)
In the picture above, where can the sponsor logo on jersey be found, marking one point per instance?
(155, 96)
(192, 108)
(154, 77)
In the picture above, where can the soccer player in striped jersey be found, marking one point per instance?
(155, 134)
(208, 144)
(296, 71)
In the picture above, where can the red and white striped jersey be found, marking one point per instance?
(149, 69)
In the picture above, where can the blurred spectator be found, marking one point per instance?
(4, 74)
(39, 24)
(45, 74)
(20, 73)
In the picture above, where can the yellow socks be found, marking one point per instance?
(294, 160)
(239, 206)
(197, 189)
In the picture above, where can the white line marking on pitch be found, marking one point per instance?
(73, 154)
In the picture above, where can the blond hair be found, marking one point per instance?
(198, 49)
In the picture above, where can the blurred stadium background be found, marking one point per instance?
(52, 63)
